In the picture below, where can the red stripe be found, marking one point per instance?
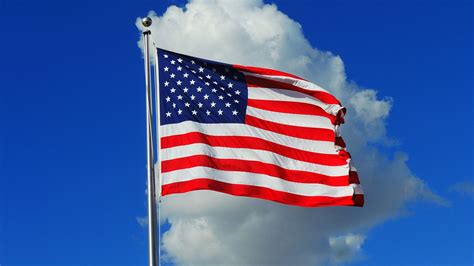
(264, 71)
(262, 193)
(293, 131)
(353, 177)
(340, 142)
(257, 82)
(256, 144)
(253, 167)
(291, 108)
(340, 116)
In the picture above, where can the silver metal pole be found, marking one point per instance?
(158, 145)
(150, 160)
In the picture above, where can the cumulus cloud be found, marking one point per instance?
(213, 228)
(344, 248)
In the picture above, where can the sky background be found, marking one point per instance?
(72, 135)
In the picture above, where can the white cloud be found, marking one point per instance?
(213, 228)
(465, 188)
(344, 248)
(142, 221)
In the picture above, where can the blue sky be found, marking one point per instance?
(72, 141)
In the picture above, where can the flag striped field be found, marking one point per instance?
(287, 149)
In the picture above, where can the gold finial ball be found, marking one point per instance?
(146, 21)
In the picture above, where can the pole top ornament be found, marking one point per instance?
(146, 21)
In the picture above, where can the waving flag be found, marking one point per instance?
(252, 132)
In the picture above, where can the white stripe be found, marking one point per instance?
(289, 80)
(352, 168)
(299, 120)
(291, 96)
(357, 189)
(252, 155)
(243, 178)
(323, 147)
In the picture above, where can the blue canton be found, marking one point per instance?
(194, 89)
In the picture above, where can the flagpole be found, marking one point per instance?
(158, 145)
(152, 259)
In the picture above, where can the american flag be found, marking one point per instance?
(254, 132)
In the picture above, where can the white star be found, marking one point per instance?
(179, 111)
(222, 88)
(165, 56)
(201, 69)
(192, 62)
(222, 77)
(185, 89)
(180, 60)
(178, 82)
(172, 75)
(206, 97)
(199, 89)
(193, 97)
(235, 112)
(194, 71)
(228, 94)
(220, 112)
(168, 99)
(195, 112)
(236, 101)
(172, 62)
(214, 90)
(168, 114)
(213, 104)
(200, 105)
(185, 75)
(230, 85)
(174, 105)
(208, 112)
(173, 90)
(215, 82)
(208, 76)
(221, 97)
(192, 82)
(166, 83)
(180, 97)
(227, 104)
(207, 83)
(179, 68)
(165, 69)
(200, 77)
(237, 92)
(187, 104)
